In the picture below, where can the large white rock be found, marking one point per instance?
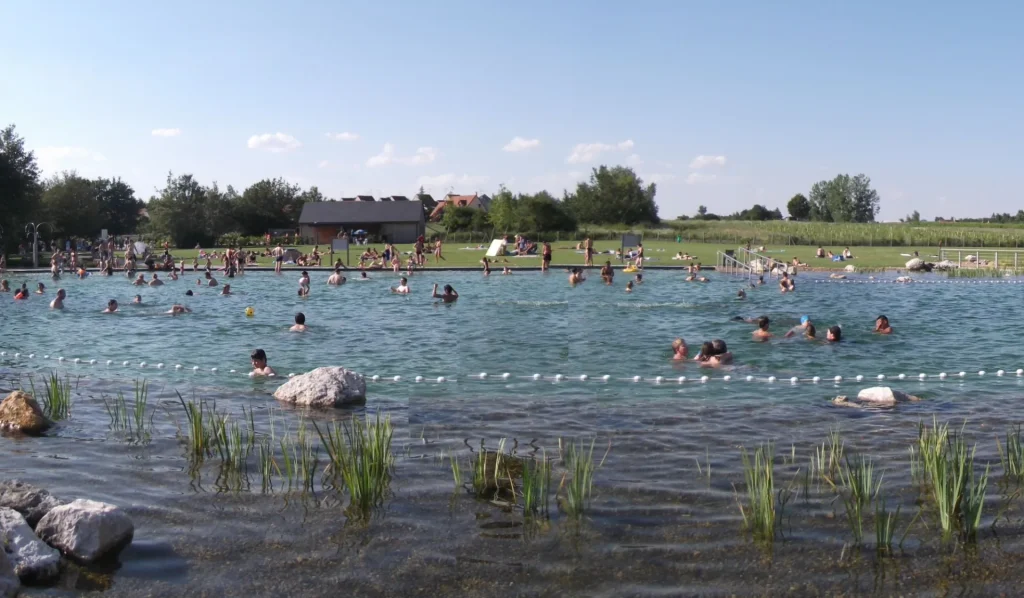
(883, 395)
(9, 584)
(324, 387)
(28, 500)
(33, 560)
(850, 268)
(915, 264)
(86, 529)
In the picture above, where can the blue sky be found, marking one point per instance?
(721, 103)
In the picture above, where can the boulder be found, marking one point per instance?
(850, 268)
(33, 503)
(946, 265)
(324, 388)
(883, 395)
(9, 584)
(86, 530)
(19, 411)
(33, 560)
(916, 264)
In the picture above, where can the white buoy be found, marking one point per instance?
(124, 363)
(231, 371)
(750, 378)
(559, 377)
(658, 380)
(77, 361)
(681, 380)
(1000, 373)
(440, 379)
(195, 368)
(981, 372)
(942, 375)
(506, 376)
(536, 377)
(605, 378)
(3, 353)
(726, 378)
(109, 362)
(962, 374)
(816, 379)
(177, 367)
(838, 379)
(60, 359)
(703, 379)
(771, 378)
(583, 377)
(922, 376)
(291, 374)
(46, 356)
(794, 380)
(31, 355)
(483, 375)
(160, 366)
(213, 370)
(142, 364)
(1020, 372)
(902, 376)
(375, 377)
(92, 362)
(636, 378)
(17, 355)
(419, 378)
(397, 379)
(860, 378)
(881, 376)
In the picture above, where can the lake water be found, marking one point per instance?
(658, 525)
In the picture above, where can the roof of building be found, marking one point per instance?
(365, 198)
(361, 212)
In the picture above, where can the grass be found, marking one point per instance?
(132, 421)
(55, 399)
(360, 454)
(536, 486)
(859, 488)
(885, 527)
(958, 494)
(828, 458)
(1011, 455)
(199, 435)
(578, 478)
(759, 515)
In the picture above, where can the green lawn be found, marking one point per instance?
(457, 255)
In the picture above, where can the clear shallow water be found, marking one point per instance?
(657, 526)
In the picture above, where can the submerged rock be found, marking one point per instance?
(323, 388)
(86, 530)
(33, 560)
(876, 396)
(19, 411)
(9, 583)
(33, 503)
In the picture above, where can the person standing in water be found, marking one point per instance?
(882, 325)
(762, 333)
(449, 295)
(402, 288)
(58, 302)
(300, 323)
(260, 367)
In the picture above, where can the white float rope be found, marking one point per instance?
(893, 281)
(557, 378)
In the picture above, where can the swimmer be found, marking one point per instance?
(336, 278)
(505, 271)
(363, 276)
(189, 293)
(805, 322)
(137, 300)
(82, 273)
(300, 323)
(760, 280)
(837, 276)
(707, 350)
(402, 288)
(156, 282)
(449, 295)
(177, 309)
(140, 281)
(607, 273)
(834, 335)
(5, 287)
(259, 364)
(882, 325)
(576, 276)
(226, 290)
(679, 350)
(639, 279)
(741, 295)
(720, 355)
(40, 289)
(58, 302)
(111, 306)
(303, 292)
(762, 333)
(21, 293)
(629, 287)
(786, 283)
(210, 280)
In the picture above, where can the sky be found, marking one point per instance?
(723, 104)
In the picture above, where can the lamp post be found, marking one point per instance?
(32, 228)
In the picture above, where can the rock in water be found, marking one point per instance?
(19, 411)
(883, 395)
(9, 584)
(33, 560)
(324, 387)
(916, 264)
(33, 503)
(86, 530)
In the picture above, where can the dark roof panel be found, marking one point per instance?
(361, 212)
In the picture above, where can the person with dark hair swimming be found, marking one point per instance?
(260, 367)
(449, 295)
(300, 323)
(882, 325)
(762, 333)
(835, 334)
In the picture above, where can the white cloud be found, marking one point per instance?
(657, 178)
(346, 136)
(588, 152)
(634, 160)
(423, 155)
(442, 182)
(703, 161)
(166, 132)
(697, 178)
(274, 142)
(518, 144)
(55, 158)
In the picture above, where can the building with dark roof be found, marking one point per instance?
(391, 221)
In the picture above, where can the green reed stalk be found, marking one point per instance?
(579, 464)
(885, 527)
(456, 469)
(829, 457)
(861, 488)
(200, 435)
(56, 397)
(117, 411)
(267, 464)
(759, 473)
(480, 470)
(957, 492)
(360, 453)
(1012, 456)
(536, 486)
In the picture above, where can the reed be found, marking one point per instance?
(578, 479)
(453, 460)
(860, 488)
(704, 471)
(828, 458)
(56, 396)
(200, 434)
(1011, 455)
(360, 454)
(265, 453)
(958, 493)
(759, 515)
(233, 441)
(536, 487)
(885, 527)
(132, 421)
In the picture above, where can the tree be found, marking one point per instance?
(844, 199)
(914, 217)
(268, 204)
(613, 195)
(313, 195)
(185, 212)
(70, 204)
(118, 206)
(866, 202)
(19, 185)
(798, 207)
(702, 211)
(462, 218)
(504, 211)
(542, 212)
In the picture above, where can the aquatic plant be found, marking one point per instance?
(495, 472)
(885, 527)
(957, 492)
(704, 471)
(536, 487)
(233, 442)
(132, 421)
(56, 397)
(828, 458)
(360, 454)
(265, 453)
(1012, 456)
(859, 488)
(453, 460)
(759, 515)
(578, 478)
(200, 435)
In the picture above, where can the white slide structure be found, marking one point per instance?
(497, 248)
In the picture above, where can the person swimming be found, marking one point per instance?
(300, 323)
(156, 281)
(137, 300)
(786, 283)
(741, 295)
(629, 287)
(679, 350)
(336, 279)
(882, 325)
(189, 293)
(402, 288)
(260, 367)
(226, 290)
(210, 280)
(178, 309)
(5, 287)
(140, 281)
(834, 335)
(40, 289)
(576, 276)
(449, 295)
(762, 332)
(505, 271)
(801, 327)
(363, 276)
(639, 279)
(58, 301)
(607, 273)
(111, 306)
